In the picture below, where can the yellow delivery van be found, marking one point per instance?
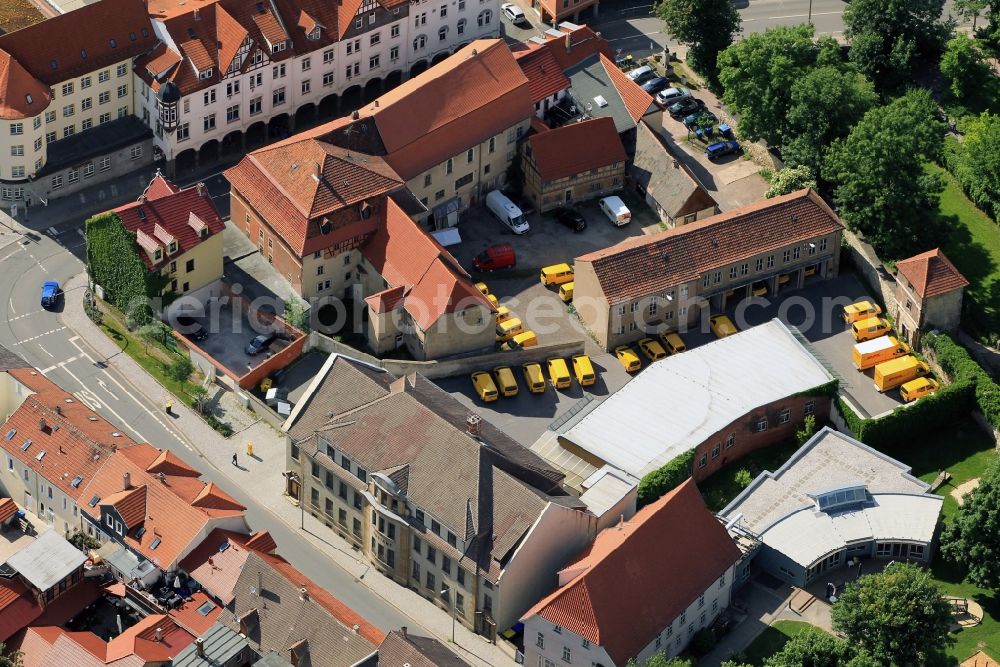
(871, 353)
(873, 327)
(557, 274)
(891, 374)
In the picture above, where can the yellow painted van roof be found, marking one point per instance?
(557, 268)
(898, 364)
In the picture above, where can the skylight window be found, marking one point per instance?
(140, 532)
(28, 99)
(206, 608)
(41, 455)
(10, 434)
(76, 482)
(155, 543)
(93, 501)
(836, 498)
(24, 447)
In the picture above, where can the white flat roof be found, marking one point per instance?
(874, 345)
(605, 489)
(47, 561)
(678, 402)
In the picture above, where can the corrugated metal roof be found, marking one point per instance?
(678, 402)
(221, 645)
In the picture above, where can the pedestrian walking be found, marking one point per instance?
(235, 463)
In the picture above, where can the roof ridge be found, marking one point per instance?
(262, 173)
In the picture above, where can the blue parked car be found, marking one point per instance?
(720, 148)
(50, 295)
(260, 343)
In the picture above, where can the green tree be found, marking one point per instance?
(972, 538)
(978, 164)
(664, 479)
(114, 263)
(790, 179)
(964, 65)
(199, 398)
(180, 369)
(970, 9)
(296, 314)
(757, 74)
(887, 35)
(705, 26)
(13, 658)
(155, 332)
(882, 188)
(815, 648)
(808, 430)
(898, 615)
(661, 660)
(824, 105)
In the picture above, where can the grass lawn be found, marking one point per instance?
(719, 489)
(974, 247)
(152, 360)
(774, 638)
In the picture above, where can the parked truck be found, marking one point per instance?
(871, 353)
(891, 374)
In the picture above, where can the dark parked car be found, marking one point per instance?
(720, 148)
(189, 327)
(50, 295)
(685, 106)
(260, 343)
(571, 218)
(699, 117)
(654, 86)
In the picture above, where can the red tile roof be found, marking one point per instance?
(165, 211)
(576, 148)
(160, 60)
(633, 581)
(170, 464)
(130, 505)
(17, 607)
(476, 93)
(179, 509)
(280, 182)
(21, 95)
(217, 570)
(57, 49)
(583, 43)
(637, 101)
(262, 541)
(191, 619)
(645, 265)
(545, 76)
(387, 300)
(406, 255)
(76, 441)
(8, 508)
(136, 647)
(931, 273)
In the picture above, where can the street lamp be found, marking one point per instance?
(445, 592)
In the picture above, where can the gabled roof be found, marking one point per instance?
(269, 590)
(405, 255)
(477, 92)
(165, 212)
(18, 607)
(647, 264)
(76, 442)
(931, 273)
(293, 185)
(545, 76)
(622, 99)
(634, 579)
(21, 94)
(8, 508)
(136, 647)
(170, 464)
(216, 563)
(637, 101)
(57, 49)
(546, 57)
(664, 177)
(179, 508)
(576, 148)
(130, 505)
(400, 649)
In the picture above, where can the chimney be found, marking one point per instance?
(474, 424)
(303, 594)
(403, 630)
(569, 43)
(197, 14)
(375, 104)
(58, 409)
(355, 115)
(201, 189)
(317, 171)
(163, 478)
(42, 424)
(199, 647)
(621, 521)
(126, 481)
(159, 634)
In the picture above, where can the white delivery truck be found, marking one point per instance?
(507, 212)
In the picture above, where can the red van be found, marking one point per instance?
(500, 256)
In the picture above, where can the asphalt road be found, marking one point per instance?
(42, 339)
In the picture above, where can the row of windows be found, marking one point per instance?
(105, 75)
(783, 417)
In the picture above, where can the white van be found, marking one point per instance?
(616, 211)
(507, 212)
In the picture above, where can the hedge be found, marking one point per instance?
(971, 388)
(665, 479)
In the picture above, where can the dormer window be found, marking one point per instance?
(204, 232)
(158, 254)
(838, 498)
(206, 74)
(314, 33)
(279, 46)
(365, 210)
(173, 247)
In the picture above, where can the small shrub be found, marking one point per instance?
(807, 431)
(703, 641)
(179, 369)
(743, 478)
(665, 479)
(222, 427)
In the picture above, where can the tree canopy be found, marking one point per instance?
(887, 35)
(790, 179)
(815, 648)
(705, 26)
(972, 538)
(897, 616)
(882, 187)
(978, 163)
(964, 65)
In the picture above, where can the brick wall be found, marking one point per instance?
(260, 234)
(747, 439)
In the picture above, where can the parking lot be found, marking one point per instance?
(815, 310)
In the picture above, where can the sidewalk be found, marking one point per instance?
(262, 473)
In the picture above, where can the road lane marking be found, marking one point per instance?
(104, 386)
(45, 351)
(28, 340)
(120, 422)
(790, 16)
(22, 315)
(12, 309)
(55, 366)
